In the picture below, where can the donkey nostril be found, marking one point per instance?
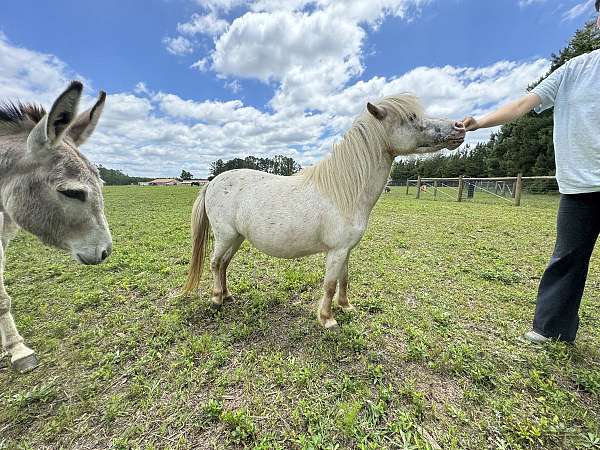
(104, 255)
(459, 125)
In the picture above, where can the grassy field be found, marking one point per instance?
(431, 359)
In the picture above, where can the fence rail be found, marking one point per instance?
(502, 183)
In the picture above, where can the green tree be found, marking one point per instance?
(278, 165)
(116, 177)
(185, 175)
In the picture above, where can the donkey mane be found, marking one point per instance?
(345, 172)
(16, 117)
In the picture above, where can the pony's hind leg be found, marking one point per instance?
(342, 299)
(336, 260)
(229, 254)
(224, 240)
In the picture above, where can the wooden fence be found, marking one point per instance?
(516, 190)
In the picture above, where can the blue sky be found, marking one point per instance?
(191, 81)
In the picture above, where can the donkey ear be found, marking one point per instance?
(63, 112)
(377, 111)
(52, 127)
(86, 122)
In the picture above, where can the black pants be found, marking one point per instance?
(561, 287)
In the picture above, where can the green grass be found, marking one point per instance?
(431, 358)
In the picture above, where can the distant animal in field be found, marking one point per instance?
(387, 189)
(322, 209)
(50, 189)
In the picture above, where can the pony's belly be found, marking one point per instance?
(285, 249)
(284, 241)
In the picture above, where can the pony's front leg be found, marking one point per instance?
(22, 358)
(342, 299)
(335, 265)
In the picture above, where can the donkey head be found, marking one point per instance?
(409, 131)
(56, 193)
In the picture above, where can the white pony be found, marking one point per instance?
(324, 208)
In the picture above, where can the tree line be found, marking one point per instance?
(113, 177)
(278, 165)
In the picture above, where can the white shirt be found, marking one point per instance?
(574, 91)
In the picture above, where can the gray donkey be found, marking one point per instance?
(49, 189)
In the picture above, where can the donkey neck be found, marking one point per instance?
(12, 151)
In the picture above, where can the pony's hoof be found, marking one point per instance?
(26, 364)
(348, 308)
(330, 324)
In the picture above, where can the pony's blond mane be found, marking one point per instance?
(346, 171)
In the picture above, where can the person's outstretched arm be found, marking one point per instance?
(504, 114)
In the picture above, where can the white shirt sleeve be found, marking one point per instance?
(548, 89)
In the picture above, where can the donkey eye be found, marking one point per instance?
(74, 194)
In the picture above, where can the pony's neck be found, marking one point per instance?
(355, 172)
(373, 189)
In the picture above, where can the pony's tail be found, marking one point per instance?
(200, 230)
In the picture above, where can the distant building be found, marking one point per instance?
(196, 182)
(164, 182)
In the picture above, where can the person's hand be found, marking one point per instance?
(470, 123)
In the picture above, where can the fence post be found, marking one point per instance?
(518, 189)
(435, 185)
(419, 187)
(407, 184)
(460, 188)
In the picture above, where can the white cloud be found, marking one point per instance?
(579, 9)
(165, 133)
(178, 45)
(220, 5)
(270, 46)
(311, 58)
(29, 75)
(290, 41)
(525, 3)
(141, 88)
(201, 65)
(234, 86)
(209, 24)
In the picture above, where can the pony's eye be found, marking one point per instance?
(74, 194)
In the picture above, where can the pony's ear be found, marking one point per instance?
(377, 111)
(86, 122)
(50, 130)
